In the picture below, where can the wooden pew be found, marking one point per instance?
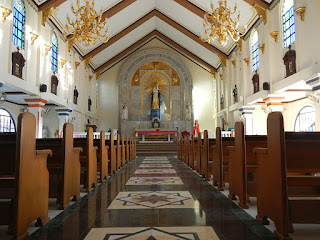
(287, 164)
(63, 166)
(243, 165)
(127, 150)
(221, 159)
(178, 148)
(134, 147)
(193, 153)
(205, 156)
(112, 154)
(217, 161)
(118, 143)
(88, 159)
(102, 156)
(123, 152)
(26, 181)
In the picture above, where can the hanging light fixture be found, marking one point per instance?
(87, 27)
(219, 25)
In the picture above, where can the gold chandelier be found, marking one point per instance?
(219, 25)
(87, 26)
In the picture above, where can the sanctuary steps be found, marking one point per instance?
(156, 149)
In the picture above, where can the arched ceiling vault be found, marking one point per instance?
(132, 23)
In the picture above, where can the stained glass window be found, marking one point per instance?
(6, 122)
(255, 51)
(289, 32)
(18, 23)
(54, 56)
(306, 120)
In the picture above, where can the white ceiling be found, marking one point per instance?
(140, 8)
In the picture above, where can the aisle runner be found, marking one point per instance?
(153, 171)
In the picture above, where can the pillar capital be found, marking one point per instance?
(274, 103)
(36, 102)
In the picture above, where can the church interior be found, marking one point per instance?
(159, 119)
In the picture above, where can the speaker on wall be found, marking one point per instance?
(265, 86)
(43, 87)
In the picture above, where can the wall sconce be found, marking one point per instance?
(5, 13)
(262, 47)
(247, 61)
(300, 12)
(63, 62)
(275, 35)
(76, 64)
(33, 37)
(90, 77)
(47, 49)
(234, 63)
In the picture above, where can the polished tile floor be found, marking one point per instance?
(154, 198)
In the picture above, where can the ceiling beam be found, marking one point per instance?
(260, 3)
(143, 20)
(116, 8)
(179, 48)
(50, 3)
(191, 7)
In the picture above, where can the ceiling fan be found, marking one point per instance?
(3, 97)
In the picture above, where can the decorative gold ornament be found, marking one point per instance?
(5, 13)
(234, 63)
(98, 72)
(87, 61)
(46, 14)
(221, 76)
(247, 61)
(63, 62)
(76, 64)
(153, 80)
(262, 47)
(275, 35)
(33, 37)
(239, 43)
(90, 77)
(262, 13)
(175, 78)
(223, 60)
(300, 11)
(87, 26)
(213, 72)
(219, 25)
(136, 78)
(47, 49)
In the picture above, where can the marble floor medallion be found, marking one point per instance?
(154, 180)
(155, 162)
(143, 200)
(154, 171)
(155, 165)
(151, 233)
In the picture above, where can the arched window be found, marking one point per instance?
(305, 121)
(255, 51)
(18, 23)
(6, 121)
(289, 32)
(54, 56)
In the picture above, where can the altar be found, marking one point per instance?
(155, 135)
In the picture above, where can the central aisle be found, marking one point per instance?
(154, 198)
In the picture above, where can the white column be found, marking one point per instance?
(63, 117)
(246, 112)
(35, 106)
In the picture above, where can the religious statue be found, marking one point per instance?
(235, 94)
(188, 112)
(196, 129)
(75, 95)
(221, 102)
(124, 113)
(289, 61)
(155, 98)
(255, 82)
(89, 104)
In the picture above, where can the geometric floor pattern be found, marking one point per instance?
(167, 233)
(154, 181)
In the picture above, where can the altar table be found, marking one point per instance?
(155, 132)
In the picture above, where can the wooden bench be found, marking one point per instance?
(243, 165)
(112, 154)
(88, 160)
(123, 152)
(286, 169)
(118, 143)
(102, 156)
(63, 166)
(24, 178)
(127, 150)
